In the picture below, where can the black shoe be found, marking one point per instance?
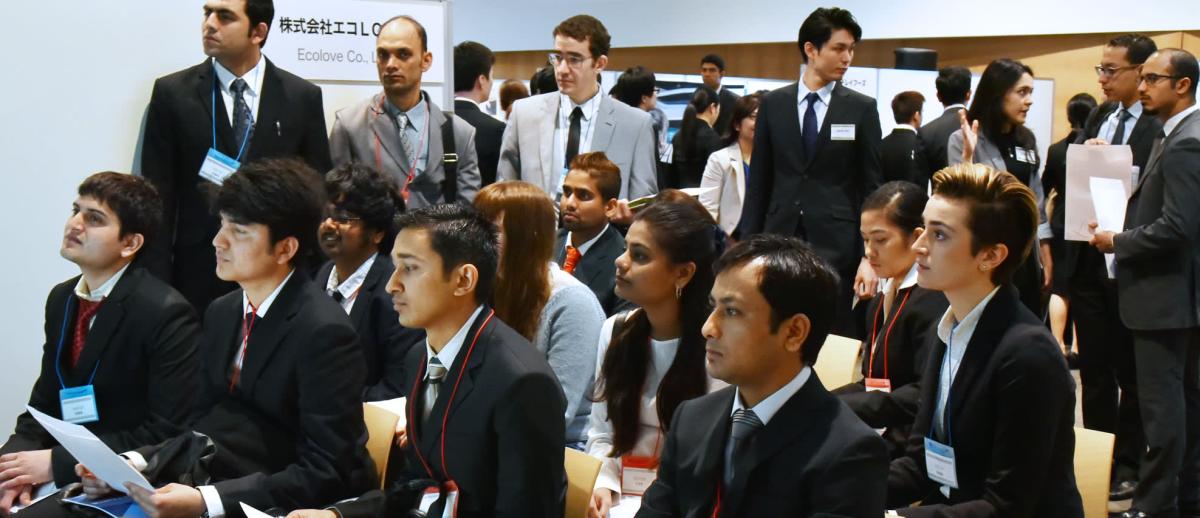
(1134, 513)
(1122, 491)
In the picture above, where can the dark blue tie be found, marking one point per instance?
(243, 120)
(809, 131)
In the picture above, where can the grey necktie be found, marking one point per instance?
(434, 374)
(1119, 135)
(402, 128)
(243, 120)
(745, 424)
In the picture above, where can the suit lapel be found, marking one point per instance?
(452, 385)
(739, 176)
(793, 140)
(386, 135)
(548, 120)
(214, 104)
(711, 463)
(604, 124)
(560, 247)
(108, 320)
(589, 264)
(270, 105)
(1151, 165)
(358, 313)
(227, 324)
(996, 317)
(269, 332)
(832, 112)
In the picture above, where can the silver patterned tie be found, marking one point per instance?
(434, 375)
(402, 128)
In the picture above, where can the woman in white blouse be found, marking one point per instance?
(728, 168)
(651, 359)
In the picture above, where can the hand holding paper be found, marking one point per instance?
(90, 451)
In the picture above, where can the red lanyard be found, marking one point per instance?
(412, 398)
(412, 170)
(247, 327)
(886, 336)
(717, 508)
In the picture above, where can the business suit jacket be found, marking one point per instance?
(726, 174)
(597, 269)
(935, 134)
(1158, 254)
(1011, 417)
(686, 171)
(814, 458)
(725, 118)
(142, 346)
(384, 342)
(902, 157)
(178, 135)
(623, 133)
(820, 196)
(365, 133)
(488, 134)
(504, 432)
(291, 434)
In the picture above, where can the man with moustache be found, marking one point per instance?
(587, 244)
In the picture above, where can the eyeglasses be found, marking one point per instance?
(341, 217)
(1104, 71)
(1152, 79)
(572, 61)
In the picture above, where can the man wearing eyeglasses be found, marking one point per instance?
(1158, 281)
(546, 131)
(1105, 346)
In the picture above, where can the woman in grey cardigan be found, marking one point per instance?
(996, 135)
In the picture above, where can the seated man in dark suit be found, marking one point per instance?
(281, 424)
(587, 245)
(901, 154)
(356, 235)
(115, 333)
(485, 412)
(776, 443)
(472, 86)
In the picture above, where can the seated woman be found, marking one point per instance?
(652, 359)
(997, 401)
(546, 305)
(899, 321)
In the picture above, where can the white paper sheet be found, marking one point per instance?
(1084, 163)
(252, 512)
(90, 451)
(1108, 201)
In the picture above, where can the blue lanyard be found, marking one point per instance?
(245, 138)
(58, 356)
(946, 359)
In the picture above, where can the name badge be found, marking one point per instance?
(432, 495)
(217, 166)
(878, 385)
(1023, 155)
(637, 473)
(939, 463)
(79, 405)
(841, 132)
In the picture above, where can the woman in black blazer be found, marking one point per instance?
(899, 320)
(695, 140)
(994, 432)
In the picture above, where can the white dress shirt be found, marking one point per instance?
(1108, 129)
(349, 287)
(770, 405)
(83, 292)
(824, 94)
(956, 348)
(587, 244)
(416, 130)
(450, 351)
(253, 92)
(562, 128)
(1174, 121)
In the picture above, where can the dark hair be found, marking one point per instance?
(582, 27)
(1183, 66)
(1138, 48)
(683, 229)
(260, 11)
(794, 280)
(714, 59)
(819, 27)
(282, 193)
(988, 105)
(1079, 108)
(368, 194)
(133, 199)
(510, 91)
(471, 60)
(902, 204)
(603, 171)
(953, 84)
(1000, 210)
(417, 25)
(634, 84)
(702, 99)
(744, 107)
(543, 81)
(460, 235)
(907, 104)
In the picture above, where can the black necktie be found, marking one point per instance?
(1119, 135)
(243, 120)
(573, 137)
(745, 423)
(809, 132)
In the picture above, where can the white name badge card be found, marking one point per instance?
(79, 405)
(635, 481)
(841, 132)
(218, 166)
(939, 462)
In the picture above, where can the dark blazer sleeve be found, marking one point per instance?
(856, 484)
(525, 424)
(659, 501)
(158, 159)
(1179, 224)
(315, 147)
(762, 171)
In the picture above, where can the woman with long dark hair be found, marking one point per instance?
(993, 133)
(695, 140)
(652, 359)
(728, 169)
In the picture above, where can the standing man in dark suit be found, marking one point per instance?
(1157, 263)
(115, 335)
(902, 155)
(816, 158)
(356, 234)
(712, 71)
(776, 443)
(472, 86)
(588, 245)
(236, 103)
(1106, 348)
(953, 91)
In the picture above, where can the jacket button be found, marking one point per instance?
(796, 203)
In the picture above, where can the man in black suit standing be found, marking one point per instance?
(588, 245)
(816, 157)
(953, 91)
(1106, 354)
(776, 443)
(712, 71)
(472, 86)
(238, 104)
(116, 336)
(357, 234)
(901, 153)
(1157, 260)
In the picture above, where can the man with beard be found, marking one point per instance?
(587, 244)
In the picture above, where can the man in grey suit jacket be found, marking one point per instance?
(546, 131)
(1158, 283)
(385, 130)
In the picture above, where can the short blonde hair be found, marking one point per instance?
(1000, 210)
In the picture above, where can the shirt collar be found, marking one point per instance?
(1134, 109)
(1174, 121)
(83, 292)
(908, 127)
(253, 77)
(909, 280)
(955, 105)
(262, 308)
(967, 326)
(450, 351)
(768, 407)
(824, 93)
(589, 107)
(349, 286)
(587, 244)
(416, 115)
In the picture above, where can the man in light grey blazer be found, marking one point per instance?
(546, 131)
(400, 131)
